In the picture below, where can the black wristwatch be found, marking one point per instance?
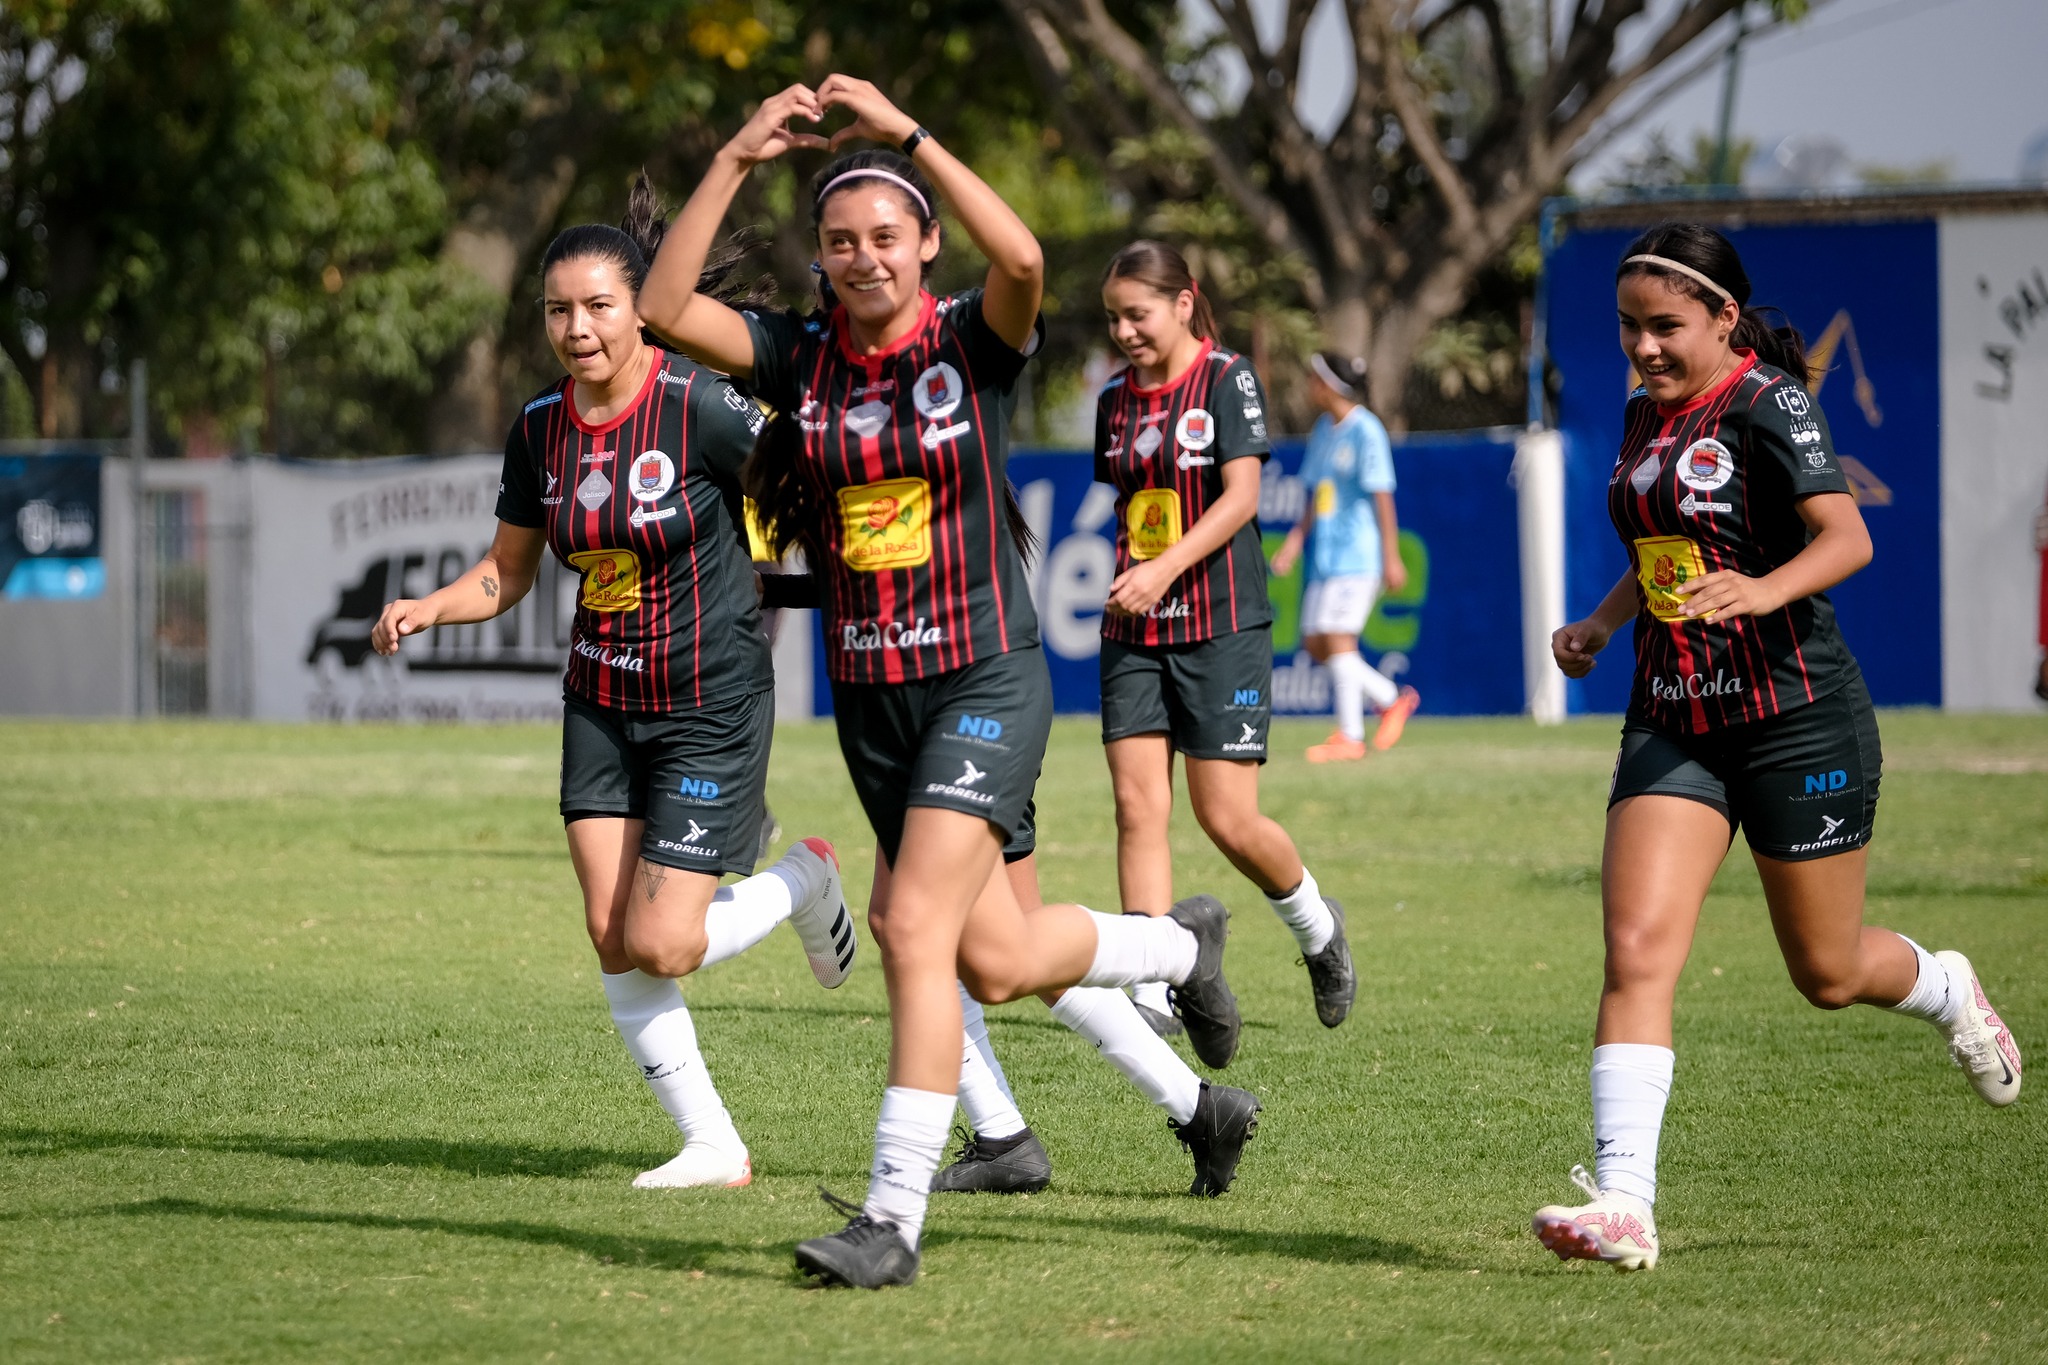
(910, 143)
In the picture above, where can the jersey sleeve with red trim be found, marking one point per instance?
(779, 335)
(519, 495)
(997, 358)
(1239, 401)
(726, 421)
(1787, 426)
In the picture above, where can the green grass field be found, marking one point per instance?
(303, 1057)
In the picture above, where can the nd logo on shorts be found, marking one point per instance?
(1153, 519)
(1663, 565)
(885, 525)
(611, 579)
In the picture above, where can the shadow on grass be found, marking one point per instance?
(462, 1158)
(655, 1253)
(1322, 1248)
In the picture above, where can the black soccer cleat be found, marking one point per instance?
(1165, 1025)
(1225, 1119)
(1013, 1165)
(864, 1254)
(1330, 975)
(1204, 1001)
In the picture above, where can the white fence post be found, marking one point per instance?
(1539, 499)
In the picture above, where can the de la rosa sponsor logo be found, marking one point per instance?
(1692, 686)
(863, 636)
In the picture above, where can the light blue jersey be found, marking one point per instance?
(1347, 462)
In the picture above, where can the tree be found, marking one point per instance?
(1462, 117)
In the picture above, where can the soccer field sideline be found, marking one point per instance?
(305, 1058)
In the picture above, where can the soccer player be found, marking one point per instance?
(1747, 711)
(886, 461)
(1353, 544)
(1187, 632)
(628, 469)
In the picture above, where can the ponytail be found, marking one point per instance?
(1164, 270)
(1700, 263)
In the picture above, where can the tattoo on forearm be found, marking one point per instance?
(490, 586)
(652, 875)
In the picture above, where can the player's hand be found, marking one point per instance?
(874, 117)
(768, 135)
(1727, 593)
(1138, 589)
(1395, 574)
(1574, 646)
(1288, 551)
(400, 618)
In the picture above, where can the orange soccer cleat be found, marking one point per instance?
(1395, 719)
(1338, 748)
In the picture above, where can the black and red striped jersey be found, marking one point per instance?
(1163, 450)
(1715, 485)
(647, 510)
(907, 449)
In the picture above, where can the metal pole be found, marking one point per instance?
(138, 457)
(1728, 76)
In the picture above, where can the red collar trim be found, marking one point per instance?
(1201, 356)
(927, 309)
(646, 387)
(1702, 399)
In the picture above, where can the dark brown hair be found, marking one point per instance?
(1164, 270)
(1707, 251)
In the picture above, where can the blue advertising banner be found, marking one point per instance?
(1866, 297)
(50, 527)
(1454, 633)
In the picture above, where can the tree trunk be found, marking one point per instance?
(64, 383)
(492, 238)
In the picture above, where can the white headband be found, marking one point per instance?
(1327, 375)
(1682, 269)
(875, 173)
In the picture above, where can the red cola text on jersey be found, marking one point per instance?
(1163, 450)
(907, 449)
(1714, 485)
(647, 510)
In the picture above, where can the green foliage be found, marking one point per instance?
(304, 1057)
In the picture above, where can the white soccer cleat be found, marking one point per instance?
(699, 1164)
(1980, 1042)
(821, 919)
(1616, 1228)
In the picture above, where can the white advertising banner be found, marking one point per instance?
(332, 543)
(1994, 456)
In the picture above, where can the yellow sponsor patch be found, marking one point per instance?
(886, 525)
(1153, 516)
(1663, 564)
(1326, 499)
(611, 579)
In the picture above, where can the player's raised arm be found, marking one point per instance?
(1016, 264)
(700, 326)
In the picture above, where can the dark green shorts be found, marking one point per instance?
(1024, 838)
(1212, 699)
(970, 740)
(1801, 785)
(696, 777)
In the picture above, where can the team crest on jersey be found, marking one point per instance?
(1149, 440)
(611, 579)
(1196, 429)
(885, 525)
(654, 473)
(937, 391)
(1705, 465)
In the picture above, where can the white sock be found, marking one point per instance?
(1152, 995)
(1134, 948)
(1381, 690)
(1936, 996)
(656, 1027)
(910, 1137)
(1306, 917)
(741, 915)
(1346, 681)
(1108, 1019)
(984, 1091)
(1631, 1081)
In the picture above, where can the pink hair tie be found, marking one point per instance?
(876, 173)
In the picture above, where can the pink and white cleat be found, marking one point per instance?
(1980, 1042)
(700, 1164)
(820, 917)
(1616, 1228)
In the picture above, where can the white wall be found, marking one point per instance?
(1994, 455)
